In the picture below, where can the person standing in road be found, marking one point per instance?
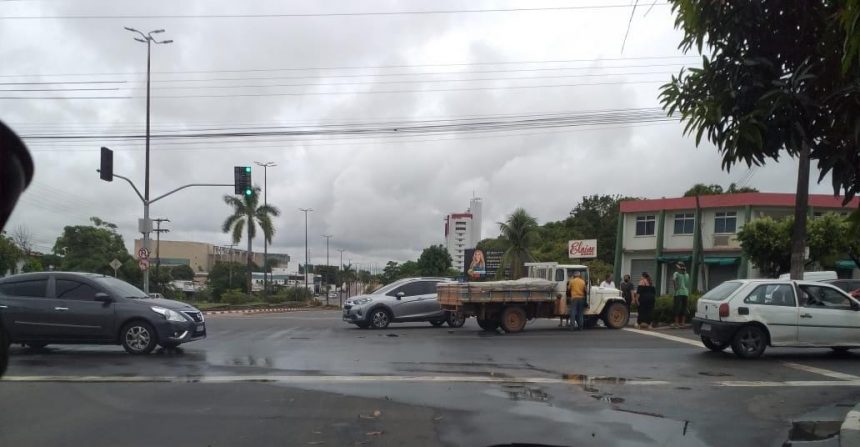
(646, 296)
(681, 280)
(576, 288)
(608, 282)
(627, 289)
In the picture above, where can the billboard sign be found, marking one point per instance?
(583, 248)
(480, 265)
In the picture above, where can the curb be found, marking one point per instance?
(849, 434)
(264, 310)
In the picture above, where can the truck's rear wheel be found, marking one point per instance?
(616, 316)
(513, 319)
(488, 325)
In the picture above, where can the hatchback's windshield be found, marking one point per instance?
(121, 288)
(722, 291)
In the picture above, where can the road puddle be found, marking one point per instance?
(250, 360)
(608, 398)
(813, 430)
(521, 392)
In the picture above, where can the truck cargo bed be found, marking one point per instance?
(522, 290)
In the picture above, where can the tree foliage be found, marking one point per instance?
(86, 248)
(9, 254)
(767, 244)
(182, 272)
(519, 232)
(778, 78)
(247, 215)
(701, 189)
(227, 275)
(434, 261)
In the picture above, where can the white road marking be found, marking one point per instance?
(788, 383)
(821, 371)
(330, 379)
(652, 333)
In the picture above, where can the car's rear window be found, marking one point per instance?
(722, 291)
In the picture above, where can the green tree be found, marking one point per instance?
(182, 272)
(32, 265)
(596, 217)
(826, 238)
(734, 189)
(779, 78)
(390, 273)
(493, 244)
(247, 215)
(767, 244)
(518, 231)
(701, 189)
(226, 276)
(9, 254)
(409, 269)
(87, 248)
(434, 261)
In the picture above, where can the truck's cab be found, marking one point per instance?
(597, 299)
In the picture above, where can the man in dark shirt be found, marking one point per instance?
(627, 288)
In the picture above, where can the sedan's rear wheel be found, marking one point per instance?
(749, 342)
(138, 338)
(714, 345)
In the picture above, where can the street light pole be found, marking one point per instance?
(306, 211)
(266, 267)
(325, 277)
(341, 269)
(148, 40)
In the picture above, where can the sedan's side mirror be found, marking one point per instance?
(103, 297)
(400, 295)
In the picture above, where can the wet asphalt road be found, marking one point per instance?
(306, 378)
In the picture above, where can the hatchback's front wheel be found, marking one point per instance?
(749, 342)
(380, 318)
(138, 338)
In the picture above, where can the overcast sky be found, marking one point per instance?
(382, 197)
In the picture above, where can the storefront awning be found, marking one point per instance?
(846, 264)
(674, 258)
(721, 260)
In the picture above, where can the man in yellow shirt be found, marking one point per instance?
(576, 291)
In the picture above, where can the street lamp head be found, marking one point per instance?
(131, 29)
(139, 39)
(156, 31)
(165, 41)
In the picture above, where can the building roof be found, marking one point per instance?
(461, 215)
(769, 199)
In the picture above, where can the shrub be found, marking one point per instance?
(235, 296)
(203, 295)
(663, 308)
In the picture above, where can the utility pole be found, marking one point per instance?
(325, 278)
(158, 230)
(307, 254)
(340, 295)
(230, 278)
(266, 267)
(147, 225)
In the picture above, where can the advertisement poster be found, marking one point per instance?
(481, 265)
(585, 248)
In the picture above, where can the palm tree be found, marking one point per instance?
(247, 214)
(518, 233)
(347, 275)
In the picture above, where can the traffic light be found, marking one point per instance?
(242, 180)
(106, 168)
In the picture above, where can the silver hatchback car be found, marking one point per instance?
(405, 300)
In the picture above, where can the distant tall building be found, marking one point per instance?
(463, 231)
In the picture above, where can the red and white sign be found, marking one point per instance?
(585, 248)
(143, 264)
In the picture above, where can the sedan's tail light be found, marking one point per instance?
(724, 310)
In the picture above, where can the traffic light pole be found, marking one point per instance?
(146, 222)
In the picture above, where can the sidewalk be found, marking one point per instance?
(849, 434)
(265, 310)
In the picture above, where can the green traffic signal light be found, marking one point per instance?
(248, 192)
(247, 169)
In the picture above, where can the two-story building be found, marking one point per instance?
(655, 234)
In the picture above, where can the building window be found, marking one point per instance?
(726, 222)
(645, 225)
(684, 223)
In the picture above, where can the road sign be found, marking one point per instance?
(115, 264)
(143, 253)
(143, 264)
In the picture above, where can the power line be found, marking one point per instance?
(366, 92)
(326, 14)
(365, 67)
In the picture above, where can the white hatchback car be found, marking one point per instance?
(750, 315)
